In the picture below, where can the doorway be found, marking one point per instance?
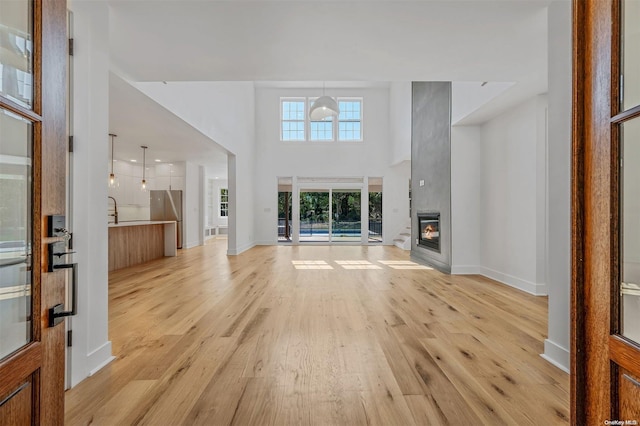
(330, 216)
(329, 210)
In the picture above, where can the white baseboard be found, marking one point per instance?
(510, 280)
(242, 249)
(465, 270)
(192, 244)
(266, 243)
(556, 355)
(99, 358)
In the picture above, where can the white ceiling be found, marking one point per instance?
(302, 43)
(499, 40)
(137, 120)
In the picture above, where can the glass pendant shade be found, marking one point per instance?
(323, 107)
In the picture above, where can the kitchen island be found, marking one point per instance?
(132, 243)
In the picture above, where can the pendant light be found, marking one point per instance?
(144, 166)
(112, 177)
(323, 107)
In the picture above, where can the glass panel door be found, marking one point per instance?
(346, 220)
(375, 216)
(15, 232)
(629, 133)
(630, 54)
(285, 221)
(630, 288)
(314, 216)
(16, 52)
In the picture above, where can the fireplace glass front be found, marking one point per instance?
(429, 230)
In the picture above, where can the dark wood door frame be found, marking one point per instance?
(599, 356)
(590, 156)
(32, 378)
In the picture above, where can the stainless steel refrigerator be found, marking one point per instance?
(167, 205)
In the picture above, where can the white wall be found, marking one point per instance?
(224, 112)
(91, 346)
(556, 346)
(509, 229)
(192, 222)
(466, 202)
(329, 159)
(400, 121)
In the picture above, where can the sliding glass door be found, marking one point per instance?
(345, 217)
(315, 215)
(330, 215)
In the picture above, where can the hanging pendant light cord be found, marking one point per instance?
(111, 153)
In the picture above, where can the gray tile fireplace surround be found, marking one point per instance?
(431, 167)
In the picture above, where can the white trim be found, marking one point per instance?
(99, 357)
(192, 244)
(510, 280)
(465, 270)
(242, 249)
(556, 355)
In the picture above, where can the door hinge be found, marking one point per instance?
(70, 143)
(70, 47)
(69, 338)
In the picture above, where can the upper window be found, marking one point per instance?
(296, 126)
(293, 120)
(320, 130)
(350, 120)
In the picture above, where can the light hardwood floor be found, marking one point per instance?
(318, 335)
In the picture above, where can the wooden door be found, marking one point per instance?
(605, 368)
(33, 50)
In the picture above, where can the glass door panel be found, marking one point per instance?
(314, 216)
(375, 217)
(631, 54)
(285, 220)
(346, 220)
(16, 51)
(15, 232)
(630, 288)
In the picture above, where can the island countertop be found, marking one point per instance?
(140, 223)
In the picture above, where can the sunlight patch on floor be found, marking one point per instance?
(311, 264)
(357, 264)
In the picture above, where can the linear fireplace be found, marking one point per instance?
(429, 230)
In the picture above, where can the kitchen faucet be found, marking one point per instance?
(115, 210)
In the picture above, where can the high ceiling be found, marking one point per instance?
(499, 40)
(304, 42)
